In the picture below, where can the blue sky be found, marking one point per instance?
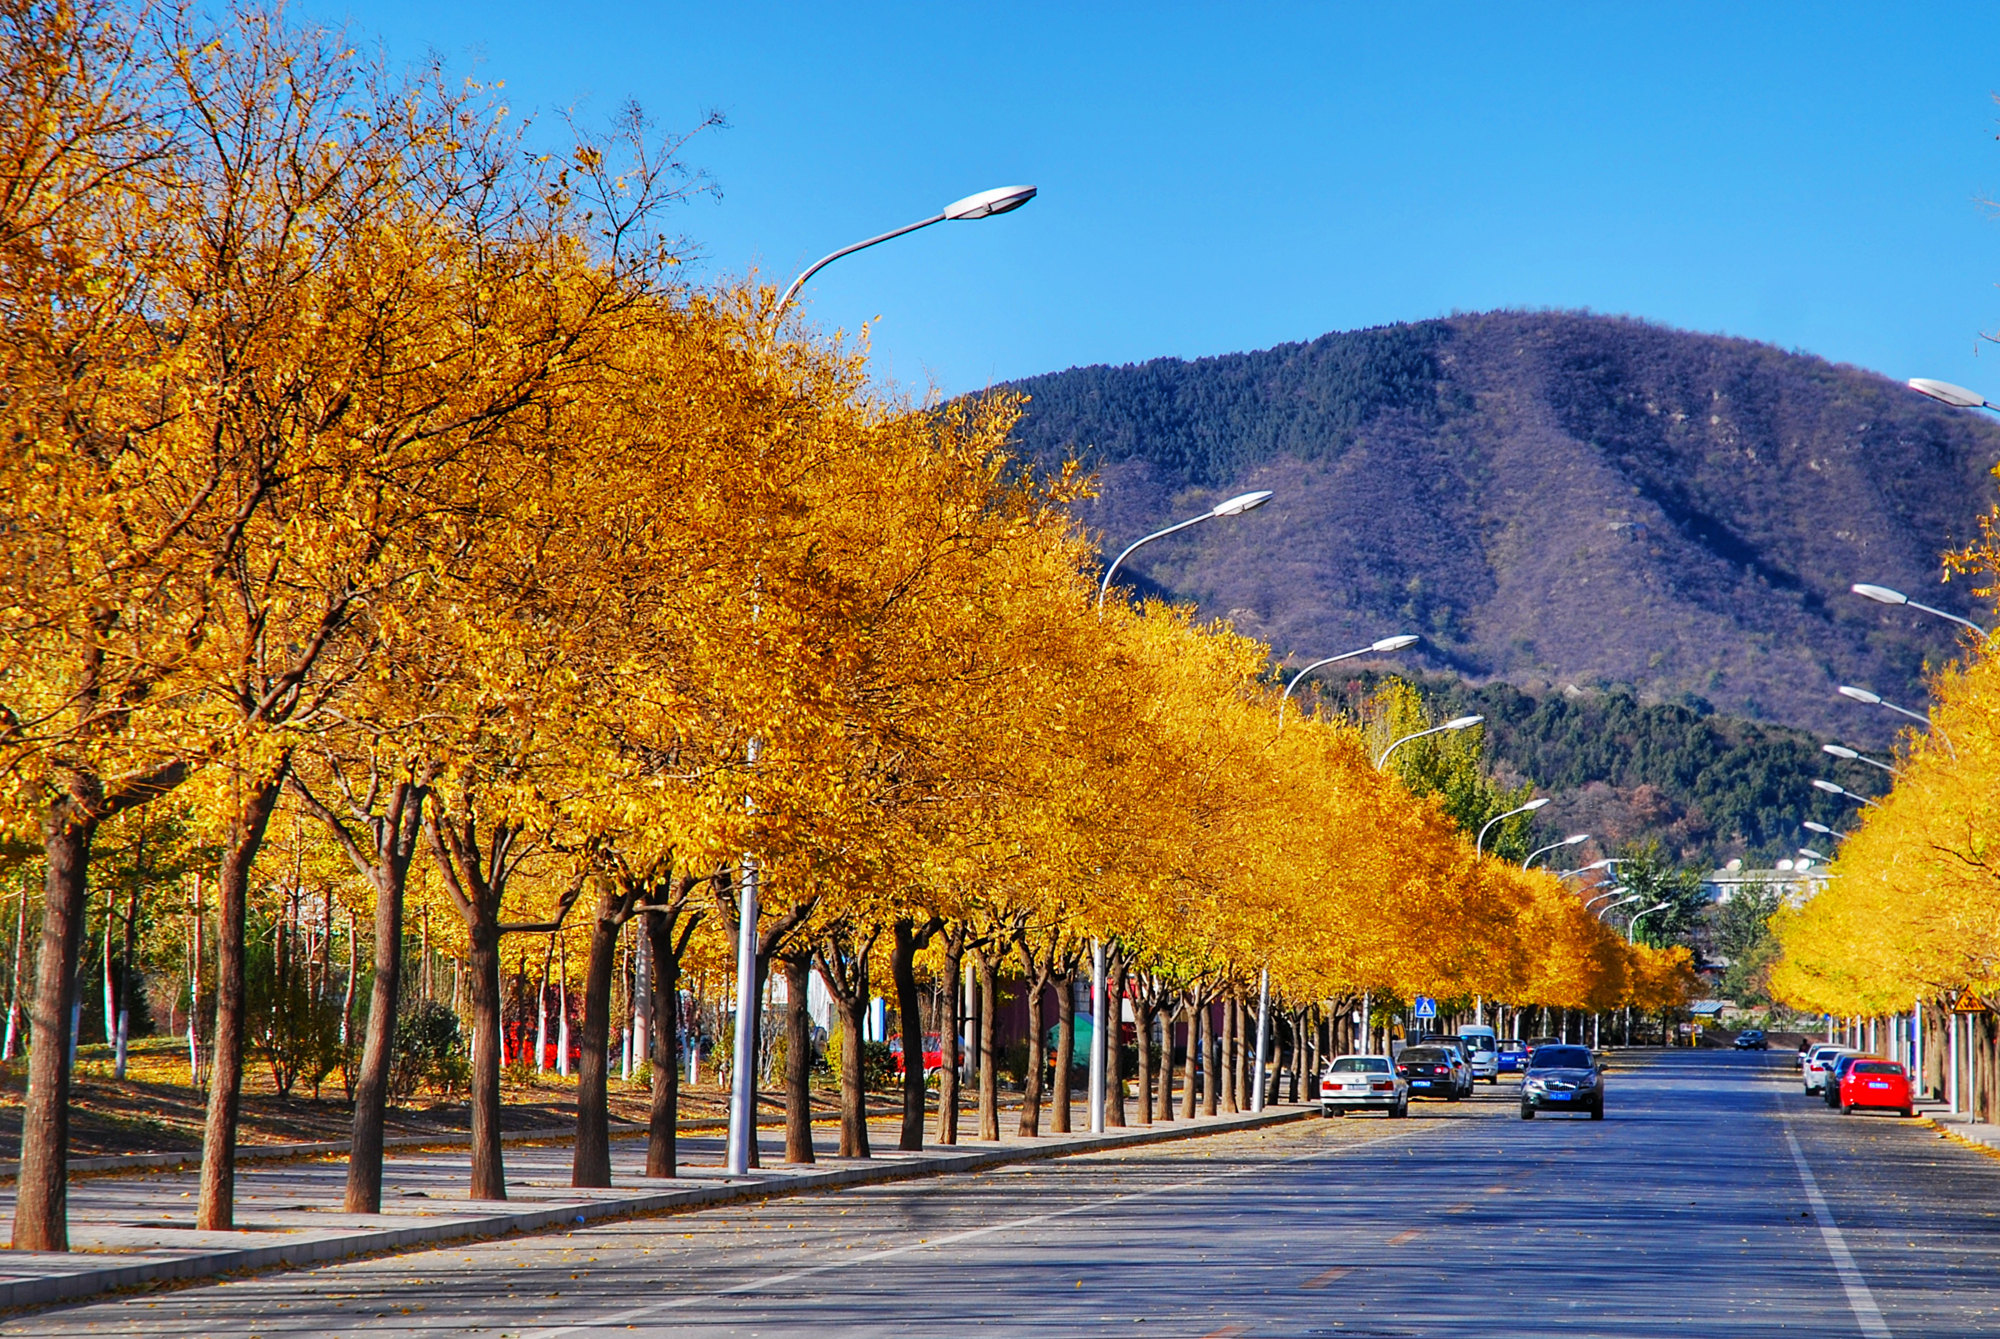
(1215, 179)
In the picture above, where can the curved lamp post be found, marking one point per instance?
(1632, 926)
(1382, 647)
(1833, 789)
(1479, 845)
(1576, 839)
(1601, 896)
(1841, 751)
(1000, 200)
(742, 1120)
(1234, 506)
(1619, 903)
(1885, 595)
(1958, 397)
(1811, 854)
(1862, 695)
(1823, 830)
(1586, 869)
(1462, 723)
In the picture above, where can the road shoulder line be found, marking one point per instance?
(1859, 1298)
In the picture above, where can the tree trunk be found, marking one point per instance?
(1232, 1053)
(1197, 1057)
(989, 1078)
(1065, 1052)
(798, 1058)
(1145, 1031)
(41, 1209)
(853, 1092)
(662, 1148)
(1031, 1095)
(954, 985)
(910, 938)
(591, 1166)
(371, 1094)
(216, 1210)
(1114, 1046)
(1166, 1111)
(489, 1177)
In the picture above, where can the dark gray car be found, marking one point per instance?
(1563, 1078)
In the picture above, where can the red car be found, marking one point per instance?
(1874, 1082)
(933, 1053)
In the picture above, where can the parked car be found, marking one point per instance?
(933, 1053)
(1818, 1060)
(1873, 1082)
(1363, 1083)
(1461, 1059)
(1752, 1039)
(1563, 1078)
(1513, 1055)
(1535, 1042)
(1430, 1071)
(1837, 1071)
(1483, 1051)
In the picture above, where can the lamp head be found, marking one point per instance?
(1828, 787)
(1577, 839)
(1879, 594)
(1821, 828)
(999, 200)
(1531, 805)
(1958, 397)
(1811, 854)
(1241, 503)
(1861, 695)
(1839, 752)
(1466, 723)
(1396, 643)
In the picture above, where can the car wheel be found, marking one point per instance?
(1337, 1111)
(1527, 1112)
(1493, 1079)
(1453, 1097)
(1597, 1112)
(1908, 1112)
(1400, 1110)
(1847, 1108)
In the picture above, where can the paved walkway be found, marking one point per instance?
(131, 1230)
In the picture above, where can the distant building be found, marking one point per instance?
(1797, 880)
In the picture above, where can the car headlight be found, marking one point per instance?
(1535, 1085)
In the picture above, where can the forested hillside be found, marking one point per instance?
(1551, 499)
(1707, 786)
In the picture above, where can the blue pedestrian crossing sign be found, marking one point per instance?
(1426, 1007)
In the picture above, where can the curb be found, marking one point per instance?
(209, 1264)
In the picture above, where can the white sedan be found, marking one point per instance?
(1820, 1060)
(1362, 1083)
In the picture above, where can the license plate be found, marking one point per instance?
(1559, 1097)
(1420, 1083)
(1878, 1085)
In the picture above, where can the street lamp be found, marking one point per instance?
(1840, 751)
(986, 204)
(1823, 830)
(1884, 595)
(1958, 397)
(1585, 869)
(1833, 789)
(1234, 506)
(742, 1138)
(1382, 647)
(1867, 698)
(1576, 839)
(1811, 854)
(1462, 723)
(1479, 844)
(1601, 896)
(1632, 926)
(1619, 903)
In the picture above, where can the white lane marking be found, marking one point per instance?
(626, 1318)
(1866, 1313)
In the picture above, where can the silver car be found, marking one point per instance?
(1362, 1083)
(1819, 1062)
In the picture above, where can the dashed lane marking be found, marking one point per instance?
(1322, 1279)
(1402, 1237)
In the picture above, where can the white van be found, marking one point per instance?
(1482, 1046)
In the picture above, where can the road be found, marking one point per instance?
(1687, 1212)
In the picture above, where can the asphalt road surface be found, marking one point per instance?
(1714, 1200)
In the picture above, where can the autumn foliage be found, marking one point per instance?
(368, 471)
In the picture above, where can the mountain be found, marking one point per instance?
(1552, 500)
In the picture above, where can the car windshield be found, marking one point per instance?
(1423, 1055)
(1513, 1046)
(1476, 1043)
(1562, 1057)
(1360, 1064)
(1878, 1067)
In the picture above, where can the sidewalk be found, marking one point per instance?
(137, 1229)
